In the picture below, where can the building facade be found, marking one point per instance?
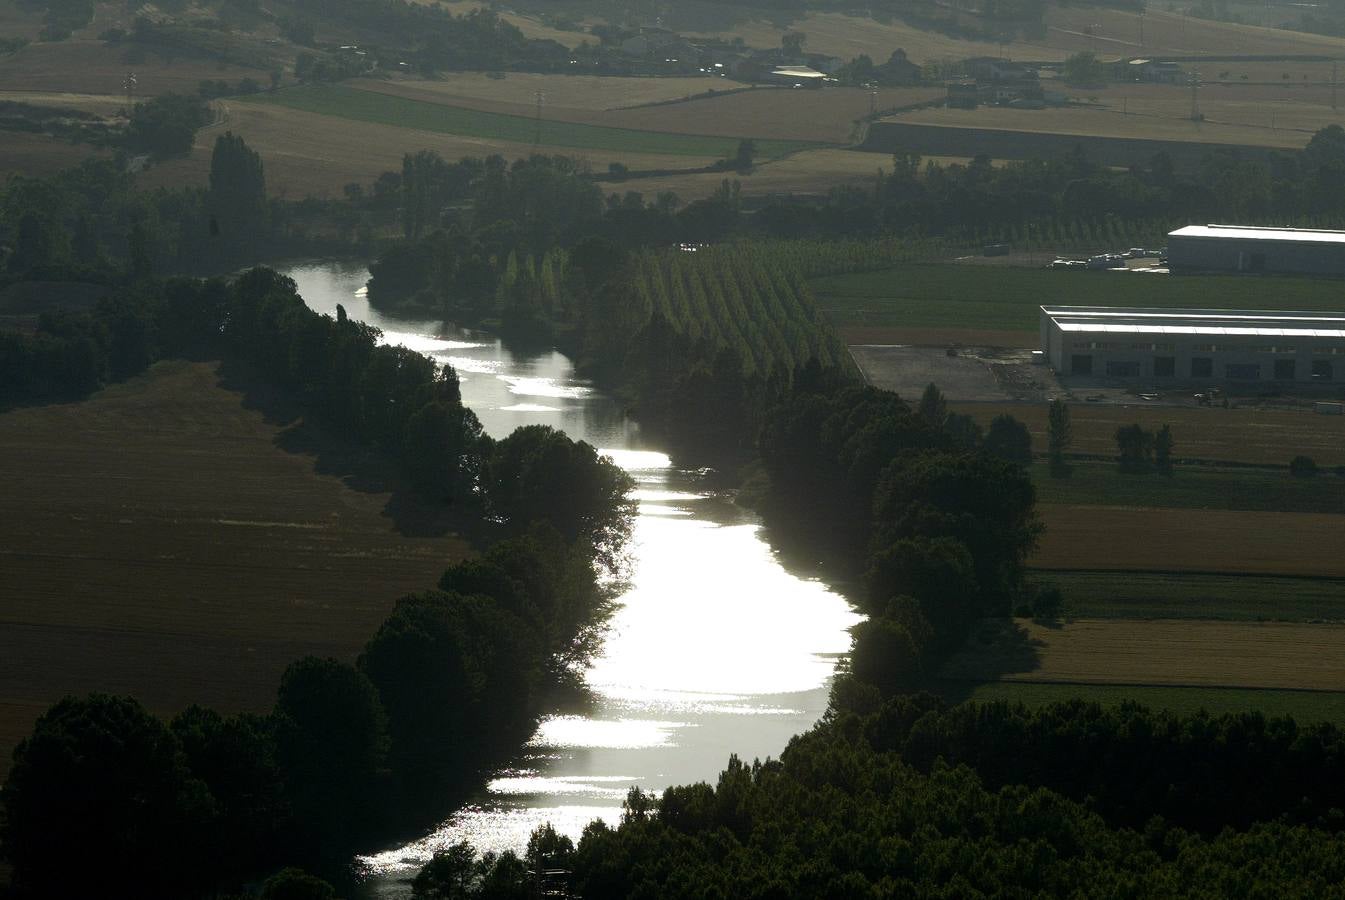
(1237, 248)
(1202, 346)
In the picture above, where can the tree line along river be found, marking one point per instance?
(715, 648)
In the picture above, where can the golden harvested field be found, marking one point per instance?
(306, 153)
(1117, 34)
(772, 113)
(1240, 127)
(806, 172)
(849, 36)
(92, 67)
(1238, 435)
(1189, 540)
(1193, 652)
(515, 92)
(156, 541)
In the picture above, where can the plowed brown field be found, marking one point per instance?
(1190, 540)
(155, 541)
(1173, 652)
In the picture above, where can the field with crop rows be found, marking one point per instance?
(765, 113)
(307, 153)
(1243, 435)
(1173, 595)
(342, 102)
(1189, 540)
(95, 67)
(516, 91)
(1193, 487)
(1273, 655)
(158, 541)
(1279, 123)
(948, 298)
(1115, 33)
(1304, 706)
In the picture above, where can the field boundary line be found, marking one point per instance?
(1198, 573)
(1142, 685)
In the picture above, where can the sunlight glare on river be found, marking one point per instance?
(715, 648)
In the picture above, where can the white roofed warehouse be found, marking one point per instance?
(1203, 346)
(1238, 248)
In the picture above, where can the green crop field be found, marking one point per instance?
(1195, 595)
(1005, 298)
(366, 106)
(1193, 487)
(1303, 706)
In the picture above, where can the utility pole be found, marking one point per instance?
(1141, 29)
(1333, 84)
(873, 103)
(540, 97)
(1195, 95)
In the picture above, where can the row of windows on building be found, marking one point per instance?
(1202, 367)
(1207, 348)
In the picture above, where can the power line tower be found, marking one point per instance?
(540, 97)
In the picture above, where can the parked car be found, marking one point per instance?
(1107, 261)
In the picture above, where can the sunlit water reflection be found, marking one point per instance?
(715, 649)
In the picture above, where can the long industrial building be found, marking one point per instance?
(1238, 248)
(1194, 345)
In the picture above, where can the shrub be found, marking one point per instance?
(1302, 467)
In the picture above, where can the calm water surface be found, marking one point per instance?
(716, 649)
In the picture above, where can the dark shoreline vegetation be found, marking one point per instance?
(452, 681)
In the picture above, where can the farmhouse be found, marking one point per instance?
(1197, 345)
(1239, 248)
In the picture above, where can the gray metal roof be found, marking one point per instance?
(1213, 322)
(1252, 233)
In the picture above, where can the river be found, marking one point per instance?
(715, 649)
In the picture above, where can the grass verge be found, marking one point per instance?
(1187, 595)
(1193, 487)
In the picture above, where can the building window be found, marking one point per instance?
(1118, 369)
(1243, 371)
(1321, 370)
(1204, 348)
(1152, 347)
(1094, 345)
(1165, 366)
(1202, 367)
(1081, 364)
(1284, 370)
